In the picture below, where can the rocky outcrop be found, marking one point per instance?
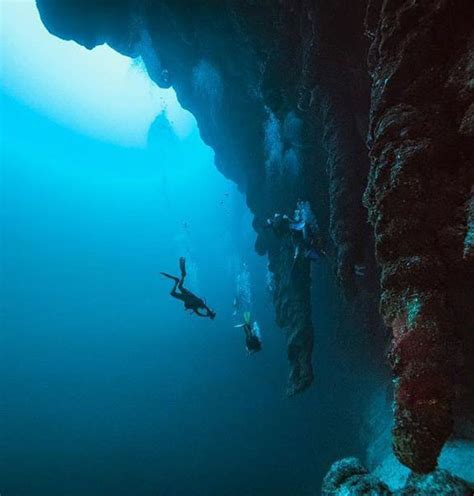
(350, 477)
(293, 311)
(418, 199)
(281, 92)
(438, 482)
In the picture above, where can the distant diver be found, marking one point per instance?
(253, 340)
(304, 235)
(190, 300)
(306, 239)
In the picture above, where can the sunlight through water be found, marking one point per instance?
(98, 92)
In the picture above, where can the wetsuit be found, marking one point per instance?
(190, 300)
(252, 341)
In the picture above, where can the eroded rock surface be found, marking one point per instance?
(349, 477)
(418, 196)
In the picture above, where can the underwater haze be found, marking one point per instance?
(108, 386)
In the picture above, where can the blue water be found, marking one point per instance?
(108, 386)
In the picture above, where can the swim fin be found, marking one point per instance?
(182, 266)
(247, 317)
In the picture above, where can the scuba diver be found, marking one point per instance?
(253, 340)
(280, 224)
(190, 300)
(284, 226)
(304, 234)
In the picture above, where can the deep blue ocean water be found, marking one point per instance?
(108, 386)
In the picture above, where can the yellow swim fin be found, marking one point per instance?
(247, 317)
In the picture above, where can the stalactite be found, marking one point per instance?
(418, 188)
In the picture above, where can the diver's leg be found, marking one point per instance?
(173, 292)
(182, 267)
(176, 282)
(169, 276)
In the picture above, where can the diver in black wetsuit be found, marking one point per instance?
(190, 300)
(253, 341)
(305, 239)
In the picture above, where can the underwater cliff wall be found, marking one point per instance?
(283, 93)
(421, 140)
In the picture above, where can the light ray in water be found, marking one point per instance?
(98, 92)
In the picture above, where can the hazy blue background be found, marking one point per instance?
(108, 386)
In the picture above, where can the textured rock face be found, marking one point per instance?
(281, 92)
(438, 482)
(350, 477)
(293, 309)
(419, 194)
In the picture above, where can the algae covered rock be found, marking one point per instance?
(437, 483)
(350, 477)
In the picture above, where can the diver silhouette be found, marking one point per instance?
(305, 236)
(190, 300)
(253, 340)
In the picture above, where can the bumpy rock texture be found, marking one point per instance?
(282, 92)
(350, 477)
(419, 194)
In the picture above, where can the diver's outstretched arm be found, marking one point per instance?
(209, 313)
(199, 314)
(208, 310)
